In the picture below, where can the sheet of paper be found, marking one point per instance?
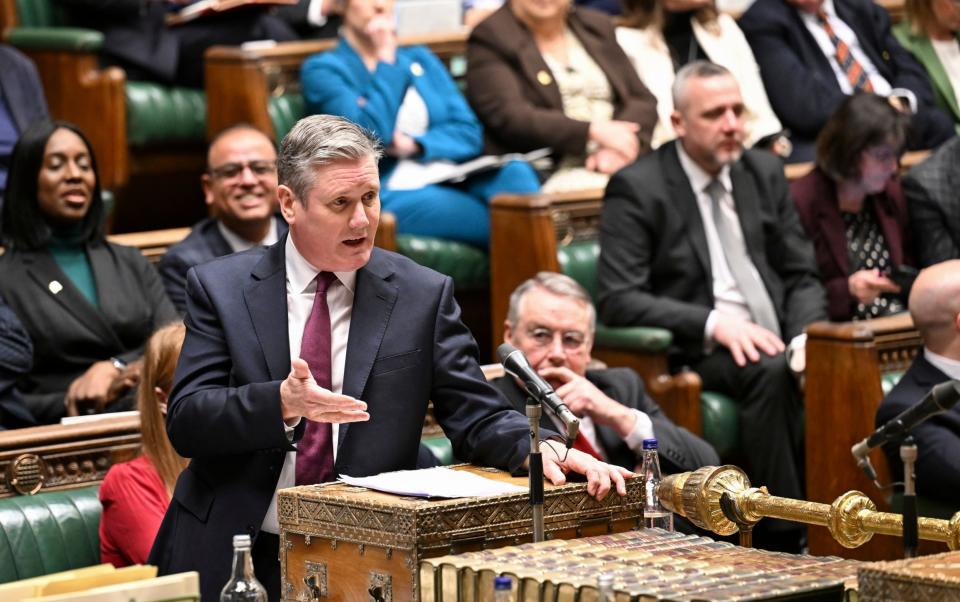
(434, 482)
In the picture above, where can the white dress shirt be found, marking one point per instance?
(237, 243)
(301, 290)
(727, 297)
(948, 366)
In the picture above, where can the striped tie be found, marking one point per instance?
(853, 70)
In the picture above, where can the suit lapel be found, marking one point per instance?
(110, 288)
(215, 240)
(266, 298)
(678, 185)
(746, 198)
(830, 221)
(46, 274)
(599, 50)
(534, 68)
(373, 303)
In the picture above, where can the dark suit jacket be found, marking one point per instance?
(680, 450)
(20, 88)
(16, 358)
(505, 85)
(931, 191)
(406, 346)
(654, 266)
(200, 246)
(816, 197)
(69, 333)
(799, 79)
(938, 438)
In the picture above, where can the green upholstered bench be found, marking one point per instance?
(49, 532)
(467, 265)
(718, 412)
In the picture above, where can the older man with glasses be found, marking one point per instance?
(552, 320)
(240, 188)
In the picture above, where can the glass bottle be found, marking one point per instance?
(605, 587)
(243, 585)
(503, 589)
(654, 514)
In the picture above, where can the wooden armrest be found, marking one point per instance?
(386, 237)
(898, 325)
(152, 243)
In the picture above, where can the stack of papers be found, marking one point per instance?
(434, 482)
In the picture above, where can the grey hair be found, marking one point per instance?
(558, 284)
(698, 69)
(316, 141)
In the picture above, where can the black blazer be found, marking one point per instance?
(931, 192)
(938, 438)
(680, 450)
(654, 266)
(16, 358)
(200, 246)
(406, 346)
(800, 81)
(69, 333)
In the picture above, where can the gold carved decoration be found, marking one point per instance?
(26, 474)
(721, 500)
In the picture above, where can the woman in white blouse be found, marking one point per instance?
(660, 36)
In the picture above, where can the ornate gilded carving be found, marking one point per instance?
(314, 581)
(852, 518)
(380, 587)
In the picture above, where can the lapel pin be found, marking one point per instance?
(544, 78)
(416, 69)
(55, 287)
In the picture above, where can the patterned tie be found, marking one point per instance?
(315, 450)
(851, 68)
(583, 444)
(739, 262)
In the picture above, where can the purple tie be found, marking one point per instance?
(315, 450)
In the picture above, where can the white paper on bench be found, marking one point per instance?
(434, 482)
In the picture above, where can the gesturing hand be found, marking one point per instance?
(585, 399)
(867, 285)
(300, 395)
(600, 475)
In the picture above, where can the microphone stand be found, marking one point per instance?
(533, 410)
(908, 453)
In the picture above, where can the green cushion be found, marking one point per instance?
(721, 427)
(467, 265)
(48, 532)
(39, 13)
(67, 39)
(634, 338)
(579, 261)
(889, 380)
(440, 447)
(285, 110)
(159, 115)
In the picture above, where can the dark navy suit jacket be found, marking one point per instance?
(200, 246)
(800, 81)
(406, 346)
(16, 358)
(938, 438)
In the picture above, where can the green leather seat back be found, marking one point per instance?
(889, 380)
(39, 13)
(49, 532)
(160, 115)
(285, 110)
(721, 425)
(440, 447)
(467, 265)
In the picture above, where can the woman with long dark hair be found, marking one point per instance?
(89, 305)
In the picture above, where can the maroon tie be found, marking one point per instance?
(315, 450)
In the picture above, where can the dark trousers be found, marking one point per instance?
(266, 563)
(771, 420)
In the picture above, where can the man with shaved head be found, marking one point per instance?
(935, 307)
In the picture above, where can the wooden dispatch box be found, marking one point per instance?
(346, 544)
(934, 578)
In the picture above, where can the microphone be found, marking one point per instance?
(516, 363)
(940, 398)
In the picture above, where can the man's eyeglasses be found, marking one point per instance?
(228, 171)
(571, 340)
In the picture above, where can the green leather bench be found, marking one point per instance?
(49, 532)
(721, 427)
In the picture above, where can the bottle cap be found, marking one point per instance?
(649, 444)
(503, 583)
(605, 580)
(241, 541)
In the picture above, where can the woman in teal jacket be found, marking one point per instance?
(931, 32)
(406, 97)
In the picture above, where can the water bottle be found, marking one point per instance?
(654, 514)
(243, 586)
(605, 587)
(503, 589)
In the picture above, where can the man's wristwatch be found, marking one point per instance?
(118, 363)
